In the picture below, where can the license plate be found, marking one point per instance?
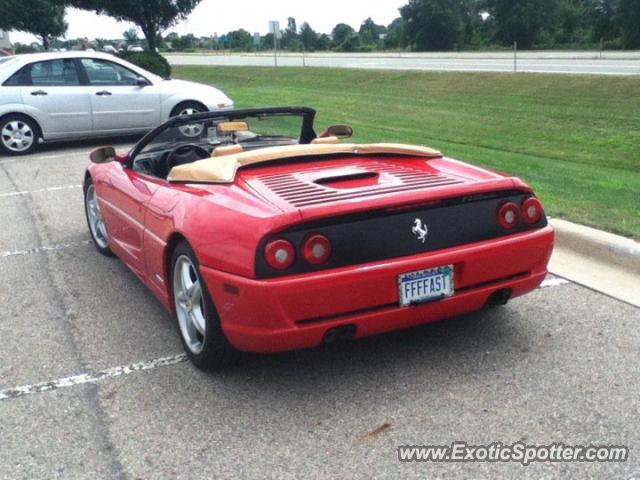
(425, 285)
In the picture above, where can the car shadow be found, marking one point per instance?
(479, 342)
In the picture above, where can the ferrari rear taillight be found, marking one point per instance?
(316, 249)
(532, 210)
(280, 254)
(509, 215)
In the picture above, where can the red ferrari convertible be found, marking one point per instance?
(260, 235)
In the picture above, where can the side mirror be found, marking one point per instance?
(340, 131)
(143, 82)
(103, 155)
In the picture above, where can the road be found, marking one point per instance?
(559, 365)
(612, 63)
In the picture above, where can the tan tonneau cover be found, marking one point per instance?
(224, 169)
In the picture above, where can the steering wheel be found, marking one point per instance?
(184, 154)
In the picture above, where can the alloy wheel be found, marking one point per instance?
(96, 222)
(189, 303)
(194, 129)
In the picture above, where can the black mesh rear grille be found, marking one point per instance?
(386, 234)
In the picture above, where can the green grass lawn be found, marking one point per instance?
(576, 139)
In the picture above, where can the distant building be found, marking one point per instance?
(6, 47)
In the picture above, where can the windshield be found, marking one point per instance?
(203, 133)
(253, 133)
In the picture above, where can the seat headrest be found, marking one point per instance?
(230, 127)
(326, 141)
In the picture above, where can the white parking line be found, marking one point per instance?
(138, 367)
(41, 190)
(554, 282)
(90, 377)
(45, 248)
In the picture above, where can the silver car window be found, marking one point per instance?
(55, 72)
(105, 73)
(49, 73)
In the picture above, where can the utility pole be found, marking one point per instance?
(274, 29)
(515, 57)
(275, 50)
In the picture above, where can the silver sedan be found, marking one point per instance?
(73, 95)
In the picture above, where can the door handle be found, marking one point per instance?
(104, 93)
(38, 93)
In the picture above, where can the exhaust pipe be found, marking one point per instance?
(348, 332)
(342, 334)
(499, 298)
(331, 336)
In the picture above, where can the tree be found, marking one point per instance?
(629, 16)
(523, 21)
(183, 43)
(351, 43)
(290, 34)
(152, 16)
(239, 40)
(42, 18)
(396, 36)
(292, 26)
(308, 36)
(434, 24)
(370, 32)
(266, 42)
(476, 28)
(130, 36)
(340, 33)
(603, 20)
(324, 42)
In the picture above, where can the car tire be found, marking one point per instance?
(19, 135)
(198, 322)
(191, 131)
(188, 108)
(95, 222)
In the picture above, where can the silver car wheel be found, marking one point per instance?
(189, 302)
(194, 129)
(17, 136)
(96, 222)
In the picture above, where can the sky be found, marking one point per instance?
(216, 16)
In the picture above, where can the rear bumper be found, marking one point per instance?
(266, 316)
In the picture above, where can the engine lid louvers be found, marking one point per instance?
(348, 182)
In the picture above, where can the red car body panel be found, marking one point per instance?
(226, 223)
(284, 314)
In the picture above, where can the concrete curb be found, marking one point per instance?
(598, 245)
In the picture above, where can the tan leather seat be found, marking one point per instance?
(227, 150)
(326, 141)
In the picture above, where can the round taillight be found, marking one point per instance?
(280, 254)
(532, 210)
(316, 249)
(508, 215)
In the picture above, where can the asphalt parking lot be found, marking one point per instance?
(560, 365)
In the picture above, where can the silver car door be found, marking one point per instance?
(52, 93)
(121, 99)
